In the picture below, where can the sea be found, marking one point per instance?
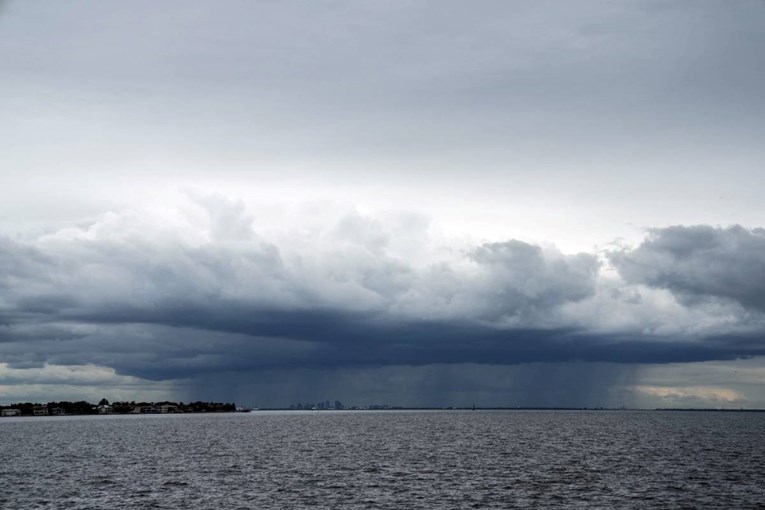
(386, 459)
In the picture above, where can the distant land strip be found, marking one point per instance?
(66, 408)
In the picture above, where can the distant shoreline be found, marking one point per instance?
(82, 408)
(142, 408)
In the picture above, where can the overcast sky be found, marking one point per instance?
(416, 203)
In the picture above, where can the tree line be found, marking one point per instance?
(120, 407)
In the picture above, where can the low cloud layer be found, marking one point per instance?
(200, 290)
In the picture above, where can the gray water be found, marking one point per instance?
(499, 459)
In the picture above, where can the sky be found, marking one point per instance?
(425, 203)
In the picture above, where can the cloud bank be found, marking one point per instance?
(198, 289)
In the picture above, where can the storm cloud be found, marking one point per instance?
(701, 262)
(214, 295)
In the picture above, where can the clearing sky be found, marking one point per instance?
(415, 203)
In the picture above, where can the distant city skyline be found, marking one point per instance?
(524, 203)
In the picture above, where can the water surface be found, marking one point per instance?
(481, 459)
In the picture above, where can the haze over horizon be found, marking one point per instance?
(419, 204)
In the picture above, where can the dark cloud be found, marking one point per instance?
(525, 279)
(700, 262)
(164, 308)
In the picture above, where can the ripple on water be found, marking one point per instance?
(549, 459)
